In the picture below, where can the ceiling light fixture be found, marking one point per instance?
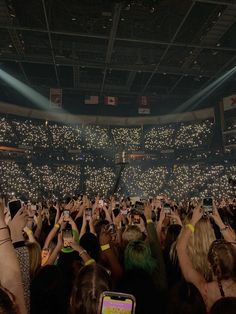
(193, 101)
(152, 10)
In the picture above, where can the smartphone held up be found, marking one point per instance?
(67, 237)
(167, 209)
(14, 206)
(66, 215)
(116, 302)
(88, 213)
(207, 204)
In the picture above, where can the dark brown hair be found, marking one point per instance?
(225, 305)
(90, 282)
(7, 304)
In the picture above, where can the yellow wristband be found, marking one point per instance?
(89, 262)
(29, 232)
(57, 226)
(149, 221)
(191, 227)
(105, 247)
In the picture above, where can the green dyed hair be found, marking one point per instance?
(138, 255)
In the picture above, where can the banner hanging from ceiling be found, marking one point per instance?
(55, 97)
(229, 102)
(143, 105)
(110, 100)
(91, 100)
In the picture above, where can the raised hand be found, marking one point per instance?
(216, 216)
(197, 214)
(175, 216)
(17, 225)
(104, 236)
(148, 211)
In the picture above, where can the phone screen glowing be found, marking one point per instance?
(111, 305)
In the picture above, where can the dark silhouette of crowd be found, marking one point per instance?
(62, 256)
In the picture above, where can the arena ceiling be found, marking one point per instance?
(161, 48)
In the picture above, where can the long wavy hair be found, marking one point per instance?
(198, 247)
(35, 258)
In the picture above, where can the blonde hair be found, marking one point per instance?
(198, 247)
(35, 257)
(131, 233)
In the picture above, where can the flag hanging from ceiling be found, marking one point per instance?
(110, 100)
(55, 97)
(143, 105)
(91, 100)
(229, 102)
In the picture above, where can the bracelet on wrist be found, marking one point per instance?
(82, 252)
(29, 232)
(105, 247)
(57, 226)
(224, 229)
(191, 227)
(149, 221)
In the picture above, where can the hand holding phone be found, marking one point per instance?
(167, 208)
(14, 207)
(112, 228)
(207, 204)
(101, 203)
(67, 237)
(116, 302)
(88, 214)
(66, 215)
(139, 205)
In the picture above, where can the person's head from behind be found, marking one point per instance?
(91, 244)
(90, 282)
(7, 304)
(138, 255)
(222, 258)
(185, 298)
(131, 233)
(225, 305)
(48, 291)
(171, 236)
(140, 284)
